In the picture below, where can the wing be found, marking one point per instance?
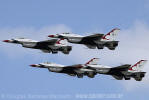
(90, 46)
(45, 51)
(117, 72)
(90, 41)
(71, 69)
(94, 37)
(121, 68)
(48, 42)
(77, 66)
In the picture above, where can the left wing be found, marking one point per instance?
(93, 37)
(77, 69)
(71, 69)
(48, 42)
(77, 66)
(121, 68)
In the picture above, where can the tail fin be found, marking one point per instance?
(138, 66)
(111, 35)
(61, 42)
(93, 61)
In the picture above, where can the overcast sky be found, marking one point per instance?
(37, 19)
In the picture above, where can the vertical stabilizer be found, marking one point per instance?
(138, 66)
(111, 36)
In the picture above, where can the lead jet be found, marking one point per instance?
(92, 41)
(126, 71)
(47, 46)
(78, 70)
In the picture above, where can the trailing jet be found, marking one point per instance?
(92, 41)
(47, 46)
(78, 70)
(126, 71)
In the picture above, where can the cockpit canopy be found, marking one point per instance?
(47, 62)
(21, 38)
(66, 33)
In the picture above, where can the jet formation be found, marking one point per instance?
(59, 43)
(91, 68)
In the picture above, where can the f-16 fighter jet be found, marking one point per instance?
(121, 72)
(92, 41)
(47, 46)
(78, 70)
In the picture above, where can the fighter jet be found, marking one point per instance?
(92, 41)
(47, 46)
(126, 71)
(78, 70)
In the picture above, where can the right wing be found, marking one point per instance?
(45, 51)
(90, 46)
(117, 77)
(90, 41)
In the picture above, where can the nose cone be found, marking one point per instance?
(33, 65)
(6, 40)
(52, 36)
